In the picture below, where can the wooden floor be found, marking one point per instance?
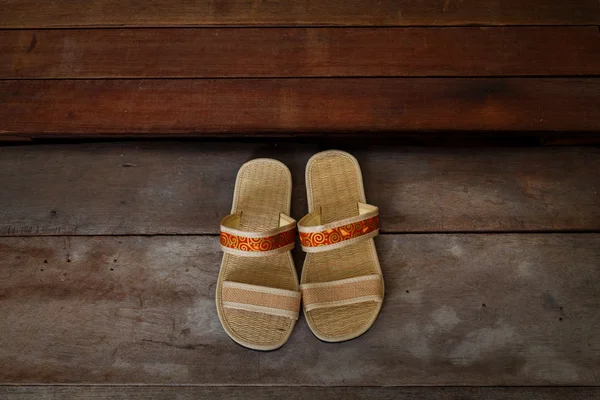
(489, 245)
(109, 259)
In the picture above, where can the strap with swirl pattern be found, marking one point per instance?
(317, 237)
(257, 244)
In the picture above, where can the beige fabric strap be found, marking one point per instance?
(343, 292)
(316, 237)
(257, 244)
(272, 301)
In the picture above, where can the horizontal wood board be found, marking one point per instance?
(117, 13)
(186, 188)
(299, 52)
(495, 309)
(280, 107)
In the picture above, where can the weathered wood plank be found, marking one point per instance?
(186, 188)
(281, 106)
(519, 309)
(110, 13)
(297, 52)
(294, 393)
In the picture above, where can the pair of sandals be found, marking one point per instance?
(258, 296)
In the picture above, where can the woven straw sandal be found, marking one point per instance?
(342, 285)
(257, 295)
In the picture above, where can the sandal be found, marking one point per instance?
(342, 285)
(257, 294)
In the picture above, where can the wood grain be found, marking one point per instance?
(111, 13)
(299, 52)
(186, 188)
(280, 106)
(517, 309)
(294, 393)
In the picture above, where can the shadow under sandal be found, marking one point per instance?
(342, 285)
(257, 295)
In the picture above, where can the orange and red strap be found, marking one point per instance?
(317, 237)
(257, 244)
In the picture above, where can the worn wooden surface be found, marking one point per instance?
(110, 13)
(296, 52)
(186, 188)
(293, 393)
(486, 308)
(281, 106)
(495, 309)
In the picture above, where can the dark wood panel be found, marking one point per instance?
(281, 106)
(290, 52)
(70, 13)
(495, 309)
(186, 188)
(294, 393)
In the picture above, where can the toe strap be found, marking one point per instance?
(261, 299)
(343, 292)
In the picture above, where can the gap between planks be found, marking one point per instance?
(188, 392)
(216, 235)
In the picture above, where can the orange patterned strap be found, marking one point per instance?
(260, 299)
(343, 292)
(315, 237)
(257, 244)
